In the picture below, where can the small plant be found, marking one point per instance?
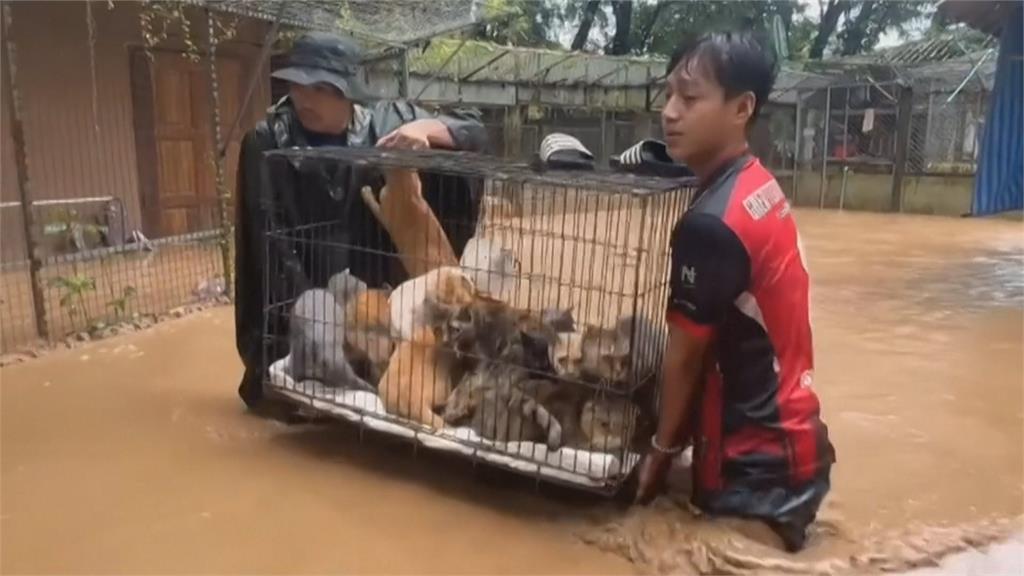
(120, 304)
(72, 300)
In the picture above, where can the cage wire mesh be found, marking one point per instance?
(525, 331)
(389, 21)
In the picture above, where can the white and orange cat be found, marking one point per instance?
(448, 287)
(417, 380)
(368, 330)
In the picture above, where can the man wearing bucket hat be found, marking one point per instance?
(328, 105)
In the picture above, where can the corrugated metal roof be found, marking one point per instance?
(949, 46)
(929, 50)
(486, 62)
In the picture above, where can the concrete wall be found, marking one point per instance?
(922, 194)
(946, 195)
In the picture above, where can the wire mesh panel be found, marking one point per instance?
(847, 146)
(525, 330)
(17, 320)
(109, 199)
(92, 275)
(946, 130)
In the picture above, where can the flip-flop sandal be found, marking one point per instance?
(649, 158)
(563, 152)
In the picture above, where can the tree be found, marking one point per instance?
(831, 11)
(520, 23)
(586, 23)
(860, 25)
(644, 33)
(664, 24)
(622, 41)
(655, 27)
(801, 34)
(873, 18)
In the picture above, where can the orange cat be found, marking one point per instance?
(368, 330)
(417, 380)
(412, 225)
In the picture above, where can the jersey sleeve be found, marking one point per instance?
(710, 269)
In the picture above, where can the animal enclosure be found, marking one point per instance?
(472, 305)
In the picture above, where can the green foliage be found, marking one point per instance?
(120, 304)
(801, 34)
(520, 23)
(73, 290)
(841, 27)
(867, 21)
(670, 22)
(847, 28)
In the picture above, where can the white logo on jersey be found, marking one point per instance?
(689, 276)
(761, 201)
(807, 379)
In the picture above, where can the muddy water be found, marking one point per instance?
(918, 340)
(132, 455)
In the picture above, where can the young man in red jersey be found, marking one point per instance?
(738, 373)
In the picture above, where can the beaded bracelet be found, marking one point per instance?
(668, 451)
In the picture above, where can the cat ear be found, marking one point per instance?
(558, 320)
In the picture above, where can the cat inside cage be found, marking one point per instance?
(528, 333)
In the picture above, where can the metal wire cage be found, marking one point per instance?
(474, 305)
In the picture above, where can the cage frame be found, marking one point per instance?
(600, 183)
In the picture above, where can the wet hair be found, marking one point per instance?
(738, 61)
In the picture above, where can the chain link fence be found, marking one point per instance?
(109, 207)
(119, 147)
(946, 130)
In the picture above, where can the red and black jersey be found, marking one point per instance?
(740, 282)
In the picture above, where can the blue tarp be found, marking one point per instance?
(998, 184)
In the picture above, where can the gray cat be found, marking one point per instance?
(495, 402)
(344, 286)
(316, 335)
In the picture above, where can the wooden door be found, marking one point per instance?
(175, 140)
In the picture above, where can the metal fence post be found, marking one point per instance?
(223, 195)
(796, 148)
(904, 108)
(21, 167)
(824, 149)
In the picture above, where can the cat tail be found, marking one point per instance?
(339, 372)
(532, 409)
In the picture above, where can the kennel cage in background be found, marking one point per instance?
(494, 370)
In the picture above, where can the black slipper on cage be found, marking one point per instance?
(563, 152)
(649, 158)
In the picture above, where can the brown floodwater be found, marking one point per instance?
(133, 454)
